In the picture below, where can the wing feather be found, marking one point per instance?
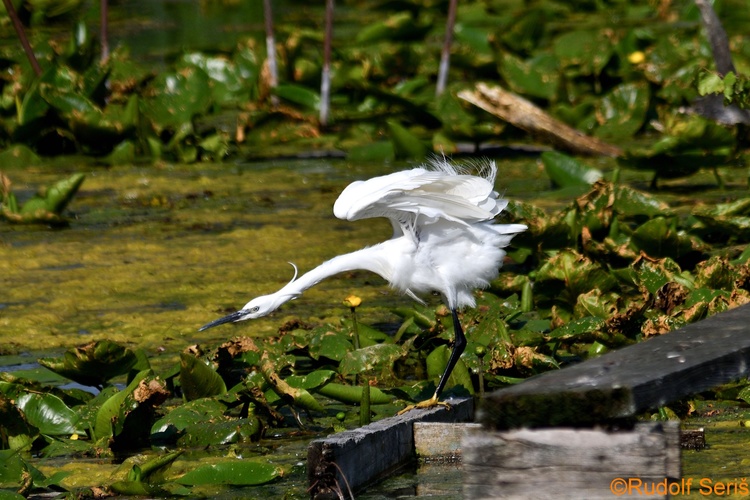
(443, 193)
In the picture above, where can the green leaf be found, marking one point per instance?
(198, 380)
(301, 96)
(577, 327)
(536, 77)
(93, 364)
(199, 410)
(405, 144)
(367, 358)
(565, 171)
(660, 238)
(49, 414)
(15, 432)
(352, 394)
(178, 97)
(112, 413)
(236, 472)
(584, 52)
(311, 380)
(332, 345)
(226, 431)
(623, 110)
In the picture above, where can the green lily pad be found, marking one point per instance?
(577, 327)
(235, 430)
(405, 144)
(236, 473)
(367, 358)
(659, 237)
(536, 77)
(49, 414)
(179, 418)
(198, 380)
(565, 171)
(583, 52)
(623, 110)
(178, 97)
(311, 380)
(329, 344)
(299, 95)
(575, 273)
(93, 364)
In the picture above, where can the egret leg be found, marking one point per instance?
(459, 345)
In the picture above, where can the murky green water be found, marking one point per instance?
(155, 252)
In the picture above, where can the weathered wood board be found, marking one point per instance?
(623, 383)
(572, 463)
(439, 441)
(351, 459)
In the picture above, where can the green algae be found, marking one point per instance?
(153, 253)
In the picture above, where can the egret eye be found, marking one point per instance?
(255, 309)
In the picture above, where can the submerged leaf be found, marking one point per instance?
(566, 171)
(235, 472)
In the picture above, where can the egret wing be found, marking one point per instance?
(431, 194)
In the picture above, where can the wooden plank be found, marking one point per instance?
(359, 456)
(438, 441)
(572, 463)
(623, 383)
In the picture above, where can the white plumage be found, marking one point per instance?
(444, 240)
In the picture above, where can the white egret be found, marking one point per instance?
(444, 240)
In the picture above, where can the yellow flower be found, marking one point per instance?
(352, 301)
(636, 57)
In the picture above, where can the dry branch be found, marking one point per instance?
(523, 114)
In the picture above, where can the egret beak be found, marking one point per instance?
(235, 316)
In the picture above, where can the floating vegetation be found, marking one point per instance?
(45, 207)
(614, 267)
(626, 76)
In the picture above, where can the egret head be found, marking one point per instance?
(256, 308)
(259, 306)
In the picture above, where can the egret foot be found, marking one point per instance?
(427, 403)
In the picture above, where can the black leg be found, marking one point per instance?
(458, 348)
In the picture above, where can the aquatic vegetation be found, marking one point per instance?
(625, 75)
(613, 267)
(45, 207)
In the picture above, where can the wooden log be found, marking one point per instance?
(352, 459)
(623, 383)
(438, 441)
(573, 463)
(523, 114)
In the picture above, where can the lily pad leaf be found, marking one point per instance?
(537, 77)
(565, 171)
(405, 144)
(577, 327)
(178, 98)
(199, 410)
(49, 414)
(332, 345)
(235, 473)
(93, 364)
(311, 380)
(198, 380)
(222, 432)
(301, 96)
(659, 237)
(623, 110)
(361, 360)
